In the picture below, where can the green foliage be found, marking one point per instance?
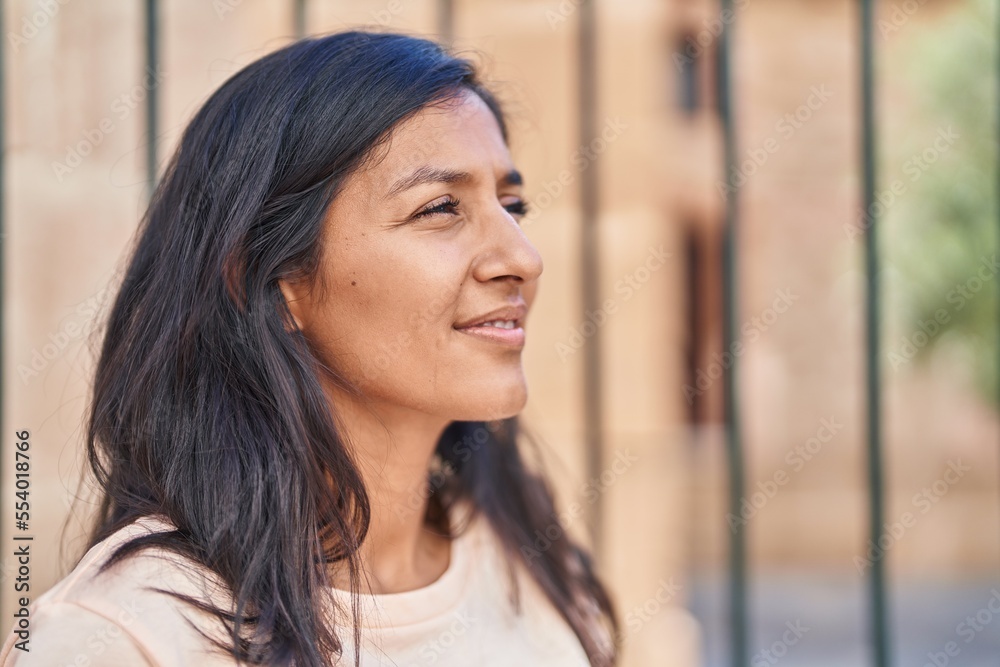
(944, 232)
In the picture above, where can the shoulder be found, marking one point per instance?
(122, 615)
(139, 577)
(65, 633)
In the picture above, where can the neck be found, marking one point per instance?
(393, 447)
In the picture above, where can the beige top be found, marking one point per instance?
(463, 618)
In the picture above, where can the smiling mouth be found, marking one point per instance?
(503, 332)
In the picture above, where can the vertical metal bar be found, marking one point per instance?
(730, 297)
(446, 20)
(996, 143)
(152, 95)
(299, 18)
(589, 258)
(880, 639)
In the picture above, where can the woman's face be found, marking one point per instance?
(422, 241)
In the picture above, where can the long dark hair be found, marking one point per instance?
(207, 404)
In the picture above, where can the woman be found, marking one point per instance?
(304, 419)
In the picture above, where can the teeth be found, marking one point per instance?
(499, 324)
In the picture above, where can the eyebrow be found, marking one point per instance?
(426, 174)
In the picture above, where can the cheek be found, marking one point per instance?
(387, 328)
(388, 319)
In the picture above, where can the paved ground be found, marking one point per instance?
(825, 619)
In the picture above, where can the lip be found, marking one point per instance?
(510, 337)
(516, 312)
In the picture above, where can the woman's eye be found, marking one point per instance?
(518, 208)
(445, 206)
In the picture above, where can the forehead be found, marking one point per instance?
(460, 133)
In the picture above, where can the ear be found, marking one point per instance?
(296, 296)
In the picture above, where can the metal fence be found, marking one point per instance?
(878, 608)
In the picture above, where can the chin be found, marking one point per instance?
(503, 404)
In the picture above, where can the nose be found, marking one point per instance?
(507, 253)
